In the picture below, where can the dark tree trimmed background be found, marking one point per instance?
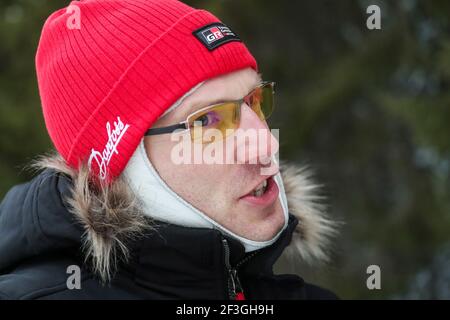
(368, 109)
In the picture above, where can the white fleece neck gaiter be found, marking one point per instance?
(160, 202)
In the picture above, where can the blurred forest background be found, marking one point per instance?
(368, 109)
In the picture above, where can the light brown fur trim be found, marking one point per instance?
(315, 231)
(110, 216)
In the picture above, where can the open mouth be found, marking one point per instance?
(264, 194)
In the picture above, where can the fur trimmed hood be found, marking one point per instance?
(111, 216)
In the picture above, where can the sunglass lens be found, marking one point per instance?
(209, 125)
(267, 100)
(261, 101)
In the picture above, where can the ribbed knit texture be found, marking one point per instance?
(130, 59)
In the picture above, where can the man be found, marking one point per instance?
(129, 96)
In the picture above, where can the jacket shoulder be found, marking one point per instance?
(48, 280)
(314, 292)
(284, 287)
(34, 280)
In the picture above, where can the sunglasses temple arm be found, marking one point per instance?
(168, 129)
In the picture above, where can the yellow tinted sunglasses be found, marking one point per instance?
(224, 116)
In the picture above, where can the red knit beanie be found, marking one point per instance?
(107, 69)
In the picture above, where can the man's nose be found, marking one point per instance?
(255, 142)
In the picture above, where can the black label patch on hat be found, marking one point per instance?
(214, 35)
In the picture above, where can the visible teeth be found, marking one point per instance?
(258, 192)
(260, 189)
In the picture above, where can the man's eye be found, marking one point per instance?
(208, 119)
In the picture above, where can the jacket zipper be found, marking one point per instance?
(235, 290)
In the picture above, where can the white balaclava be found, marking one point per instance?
(162, 203)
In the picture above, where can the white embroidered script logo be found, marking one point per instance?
(102, 159)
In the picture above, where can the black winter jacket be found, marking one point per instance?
(40, 239)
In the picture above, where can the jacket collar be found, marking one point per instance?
(200, 259)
